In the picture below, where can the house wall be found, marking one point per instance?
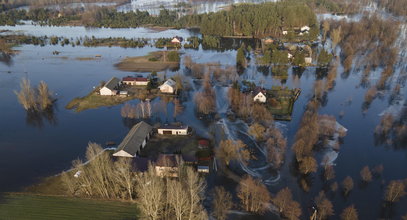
(166, 171)
(107, 91)
(173, 131)
(122, 153)
(260, 98)
(166, 89)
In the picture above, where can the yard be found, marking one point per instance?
(33, 207)
(170, 144)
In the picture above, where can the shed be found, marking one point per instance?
(135, 81)
(167, 165)
(134, 141)
(173, 130)
(111, 87)
(168, 86)
(260, 95)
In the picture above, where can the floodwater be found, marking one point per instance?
(32, 147)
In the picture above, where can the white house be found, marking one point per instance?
(176, 40)
(135, 81)
(305, 28)
(259, 95)
(168, 87)
(111, 87)
(134, 141)
(173, 130)
(289, 55)
(285, 32)
(308, 60)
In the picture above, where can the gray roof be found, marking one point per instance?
(112, 83)
(134, 139)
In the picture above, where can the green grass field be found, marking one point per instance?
(33, 207)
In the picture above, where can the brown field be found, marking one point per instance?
(143, 64)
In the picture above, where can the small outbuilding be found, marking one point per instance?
(173, 130)
(176, 40)
(111, 87)
(305, 28)
(135, 140)
(135, 81)
(260, 95)
(167, 165)
(168, 87)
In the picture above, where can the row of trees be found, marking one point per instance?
(157, 197)
(35, 99)
(205, 100)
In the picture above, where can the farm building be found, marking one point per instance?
(111, 87)
(173, 130)
(167, 165)
(260, 95)
(168, 86)
(135, 140)
(135, 81)
(176, 40)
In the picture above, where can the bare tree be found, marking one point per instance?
(308, 165)
(195, 187)
(349, 213)
(125, 176)
(334, 186)
(325, 28)
(347, 184)
(394, 191)
(405, 217)
(26, 96)
(325, 207)
(365, 174)
(178, 199)
(150, 196)
(44, 96)
(257, 131)
(221, 203)
(329, 172)
(229, 150)
(336, 36)
(253, 195)
(286, 205)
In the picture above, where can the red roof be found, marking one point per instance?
(203, 142)
(139, 79)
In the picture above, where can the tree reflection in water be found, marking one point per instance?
(39, 118)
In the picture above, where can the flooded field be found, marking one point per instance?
(33, 146)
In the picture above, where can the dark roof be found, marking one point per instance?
(189, 158)
(259, 89)
(167, 160)
(173, 127)
(112, 83)
(140, 164)
(133, 140)
(203, 142)
(131, 78)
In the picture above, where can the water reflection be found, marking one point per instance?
(6, 59)
(39, 118)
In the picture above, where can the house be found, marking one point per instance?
(135, 81)
(176, 40)
(305, 28)
(111, 87)
(167, 165)
(308, 60)
(203, 144)
(134, 141)
(285, 32)
(289, 55)
(203, 166)
(260, 95)
(268, 40)
(173, 130)
(168, 86)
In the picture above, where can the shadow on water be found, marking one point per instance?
(39, 118)
(6, 59)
